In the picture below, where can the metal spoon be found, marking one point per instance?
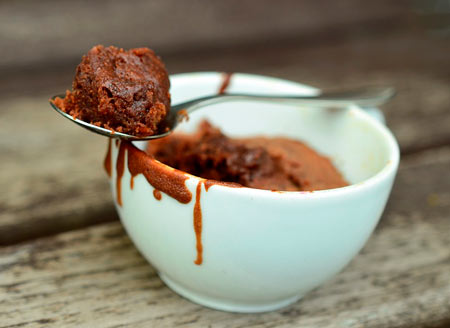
(367, 97)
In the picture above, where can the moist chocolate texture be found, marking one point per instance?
(121, 90)
(260, 162)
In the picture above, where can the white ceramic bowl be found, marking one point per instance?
(264, 250)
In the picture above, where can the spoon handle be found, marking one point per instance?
(367, 97)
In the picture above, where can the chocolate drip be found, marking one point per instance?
(161, 177)
(198, 225)
(225, 83)
(107, 162)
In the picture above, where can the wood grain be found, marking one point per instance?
(48, 32)
(51, 174)
(95, 277)
(52, 182)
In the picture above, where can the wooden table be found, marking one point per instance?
(66, 261)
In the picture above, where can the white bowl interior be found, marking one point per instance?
(350, 138)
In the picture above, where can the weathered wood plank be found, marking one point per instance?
(51, 173)
(95, 278)
(417, 66)
(59, 31)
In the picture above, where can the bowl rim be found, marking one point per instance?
(388, 170)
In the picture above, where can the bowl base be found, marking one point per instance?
(220, 304)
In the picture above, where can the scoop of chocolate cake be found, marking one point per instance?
(124, 91)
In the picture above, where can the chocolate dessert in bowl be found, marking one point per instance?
(248, 205)
(245, 249)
